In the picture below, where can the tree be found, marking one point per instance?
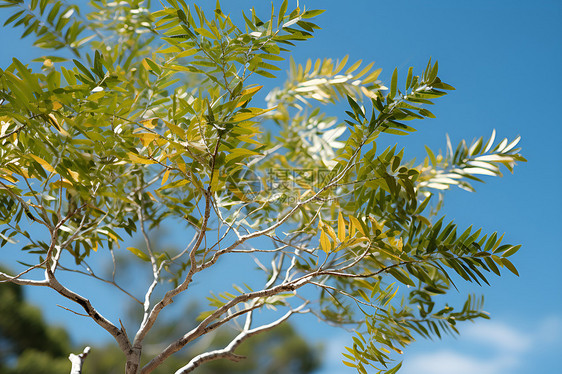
(25, 338)
(156, 122)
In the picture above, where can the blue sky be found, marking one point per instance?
(503, 57)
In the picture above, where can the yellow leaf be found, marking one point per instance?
(187, 52)
(139, 160)
(363, 294)
(247, 94)
(372, 76)
(250, 91)
(248, 113)
(8, 176)
(331, 232)
(146, 137)
(172, 49)
(355, 225)
(353, 67)
(248, 139)
(24, 173)
(181, 166)
(378, 225)
(497, 243)
(115, 239)
(349, 364)
(55, 123)
(44, 163)
(341, 227)
(370, 94)
(239, 152)
(149, 123)
(165, 177)
(215, 180)
(10, 179)
(73, 174)
(175, 184)
(176, 130)
(241, 103)
(325, 242)
(206, 33)
(399, 351)
(145, 64)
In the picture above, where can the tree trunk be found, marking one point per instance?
(133, 361)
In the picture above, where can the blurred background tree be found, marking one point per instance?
(27, 343)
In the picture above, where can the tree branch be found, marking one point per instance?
(228, 351)
(205, 326)
(78, 361)
(22, 282)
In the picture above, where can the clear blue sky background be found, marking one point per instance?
(504, 59)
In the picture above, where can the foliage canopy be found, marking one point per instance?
(155, 120)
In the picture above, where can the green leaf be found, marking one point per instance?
(431, 156)
(509, 265)
(312, 13)
(239, 153)
(409, 77)
(282, 11)
(26, 75)
(356, 109)
(426, 113)
(394, 83)
(151, 65)
(83, 69)
(13, 17)
(264, 73)
(394, 369)
(511, 251)
(206, 33)
(140, 254)
(433, 73)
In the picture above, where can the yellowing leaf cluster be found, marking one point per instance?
(346, 234)
(52, 170)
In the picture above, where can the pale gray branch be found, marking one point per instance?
(205, 325)
(228, 351)
(22, 282)
(78, 361)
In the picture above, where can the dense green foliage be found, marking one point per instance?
(157, 121)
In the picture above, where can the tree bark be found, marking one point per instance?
(133, 361)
